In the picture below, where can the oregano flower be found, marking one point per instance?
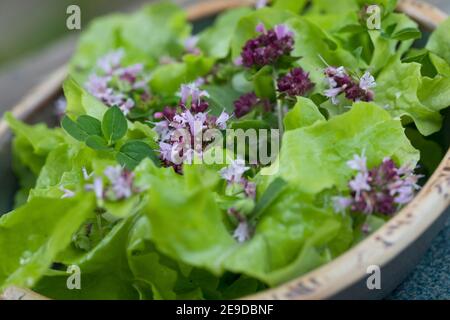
(118, 85)
(340, 82)
(268, 47)
(381, 189)
(295, 83)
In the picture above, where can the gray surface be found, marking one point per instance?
(431, 278)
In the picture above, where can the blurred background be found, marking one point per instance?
(34, 41)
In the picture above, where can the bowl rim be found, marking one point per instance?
(325, 281)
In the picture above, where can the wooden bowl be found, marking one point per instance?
(395, 248)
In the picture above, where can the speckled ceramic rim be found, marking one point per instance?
(378, 249)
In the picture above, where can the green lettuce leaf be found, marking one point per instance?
(398, 86)
(142, 31)
(246, 26)
(101, 37)
(105, 273)
(215, 41)
(201, 237)
(439, 42)
(314, 158)
(167, 79)
(303, 114)
(80, 102)
(32, 235)
(135, 33)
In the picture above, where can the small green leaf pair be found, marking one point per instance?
(98, 135)
(133, 152)
(103, 135)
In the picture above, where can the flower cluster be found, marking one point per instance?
(339, 81)
(381, 189)
(60, 107)
(268, 47)
(190, 45)
(181, 132)
(118, 185)
(116, 85)
(249, 101)
(243, 188)
(295, 83)
(261, 4)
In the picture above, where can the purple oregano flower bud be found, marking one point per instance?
(382, 189)
(295, 83)
(339, 81)
(268, 47)
(247, 102)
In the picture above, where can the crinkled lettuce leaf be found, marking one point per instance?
(201, 237)
(105, 273)
(439, 42)
(167, 79)
(80, 102)
(303, 114)
(215, 41)
(139, 34)
(314, 157)
(32, 236)
(403, 91)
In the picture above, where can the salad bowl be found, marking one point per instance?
(392, 251)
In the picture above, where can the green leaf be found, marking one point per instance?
(274, 189)
(221, 98)
(431, 153)
(435, 93)
(41, 139)
(99, 38)
(278, 239)
(366, 127)
(114, 125)
(83, 129)
(138, 32)
(90, 125)
(246, 26)
(407, 34)
(110, 254)
(133, 152)
(167, 79)
(293, 5)
(215, 41)
(74, 129)
(263, 83)
(80, 102)
(197, 65)
(384, 47)
(314, 46)
(303, 114)
(439, 42)
(250, 124)
(48, 225)
(97, 143)
(442, 67)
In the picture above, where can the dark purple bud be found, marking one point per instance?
(385, 203)
(201, 107)
(169, 113)
(295, 83)
(245, 104)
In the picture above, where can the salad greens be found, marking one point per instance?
(117, 194)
